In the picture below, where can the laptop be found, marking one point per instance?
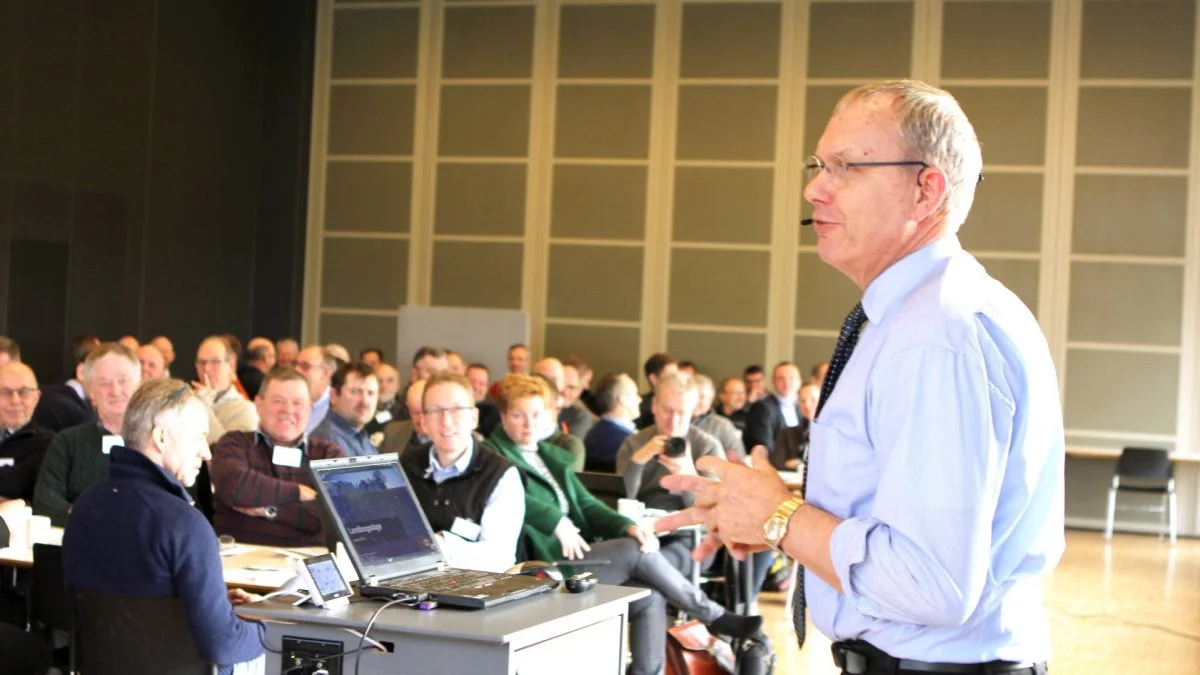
(390, 542)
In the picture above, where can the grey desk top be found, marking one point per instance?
(521, 622)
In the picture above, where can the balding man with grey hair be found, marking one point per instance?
(77, 458)
(23, 442)
(230, 410)
(317, 364)
(705, 419)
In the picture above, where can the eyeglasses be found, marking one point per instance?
(203, 363)
(440, 412)
(839, 170)
(304, 366)
(23, 392)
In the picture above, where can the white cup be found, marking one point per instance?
(39, 530)
(631, 508)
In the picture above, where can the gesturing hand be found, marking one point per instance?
(573, 545)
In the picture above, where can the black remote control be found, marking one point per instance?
(581, 582)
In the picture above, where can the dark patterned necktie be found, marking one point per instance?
(847, 339)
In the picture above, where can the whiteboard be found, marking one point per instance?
(480, 335)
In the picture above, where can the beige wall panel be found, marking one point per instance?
(1138, 39)
(717, 355)
(371, 120)
(860, 39)
(364, 273)
(1130, 215)
(1134, 127)
(1114, 391)
(723, 205)
(603, 121)
(726, 122)
(368, 196)
(1115, 302)
(724, 288)
(730, 40)
(357, 332)
(469, 274)
(1006, 215)
(375, 42)
(809, 351)
(488, 42)
(595, 282)
(824, 296)
(488, 121)
(1018, 276)
(598, 41)
(1009, 121)
(599, 202)
(608, 349)
(987, 39)
(487, 199)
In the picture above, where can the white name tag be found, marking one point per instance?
(466, 529)
(7, 461)
(383, 417)
(108, 441)
(285, 456)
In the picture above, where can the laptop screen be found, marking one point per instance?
(379, 517)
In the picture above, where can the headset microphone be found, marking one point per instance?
(806, 221)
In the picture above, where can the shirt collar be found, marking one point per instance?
(263, 437)
(438, 473)
(783, 402)
(621, 422)
(344, 425)
(78, 387)
(898, 280)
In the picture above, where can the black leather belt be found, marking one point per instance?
(856, 657)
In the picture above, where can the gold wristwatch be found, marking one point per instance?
(776, 527)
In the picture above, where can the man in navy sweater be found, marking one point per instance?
(164, 547)
(618, 400)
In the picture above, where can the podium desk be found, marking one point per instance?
(551, 633)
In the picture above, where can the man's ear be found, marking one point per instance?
(931, 183)
(160, 437)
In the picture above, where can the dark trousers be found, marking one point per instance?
(628, 566)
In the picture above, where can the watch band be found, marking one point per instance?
(776, 527)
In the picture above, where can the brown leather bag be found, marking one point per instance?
(691, 650)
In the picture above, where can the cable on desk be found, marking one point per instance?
(402, 599)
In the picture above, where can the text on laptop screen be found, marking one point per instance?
(379, 513)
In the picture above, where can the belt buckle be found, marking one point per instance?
(849, 661)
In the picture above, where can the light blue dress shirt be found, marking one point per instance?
(791, 416)
(501, 522)
(354, 442)
(320, 409)
(942, 449)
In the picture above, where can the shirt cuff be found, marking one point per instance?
(847, 548)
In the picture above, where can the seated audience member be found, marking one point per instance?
(389, 403)
(755, 379)
(817, 374)
(776, 411)
(65, 405)
(618, 400)
(472, 497)
(564, 520)
(130, 341)
(214, 367)
(575, 414)
(164, 547)
(687, 368)
(259, 360)
(262, 491)
(707, 420)
(154, 365)
(658, 365)
(517, 361)
(23, 442)
(340, 353)
(235, 351)
(77, 458)
(426, 361)
(586, 397)
(455, 363)
(9, 350)
(641, 459)
(552, 432)
(731, 401)
(408, 434)
(286, 350)
(316, 364)
(165, 347)
(791, 445)
(372, 356)
(489, 413)
(354, 390)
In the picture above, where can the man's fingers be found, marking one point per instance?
(679, 519)
(687, 483)
(714, 465)
(759, 454)
(711, 544)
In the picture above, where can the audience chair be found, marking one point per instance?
(48, 599)
(607, 487)
(1149, 471)
(118, 635)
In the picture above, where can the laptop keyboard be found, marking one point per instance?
(447, 582)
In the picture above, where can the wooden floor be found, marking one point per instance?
(1153, 587)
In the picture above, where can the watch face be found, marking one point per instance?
(774, 529)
